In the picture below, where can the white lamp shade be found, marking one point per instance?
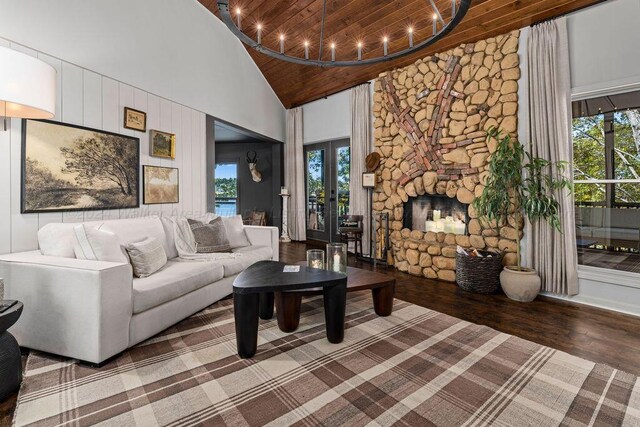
(27, 86)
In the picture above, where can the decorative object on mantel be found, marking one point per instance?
(160, 184)
(435, 146)
(162, 144)
(252, 160)
(511, 195)
(478, 271)
(337, 257)
(135, 119)
(70, 168)
(284, 193)
(457, 9)
(27, 87)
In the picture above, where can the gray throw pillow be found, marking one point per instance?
(147, 256)
(210, 237)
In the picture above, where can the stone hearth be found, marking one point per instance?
(430, 124)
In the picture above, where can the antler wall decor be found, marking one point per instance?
(252, 160)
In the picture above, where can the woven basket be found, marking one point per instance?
(479, 274)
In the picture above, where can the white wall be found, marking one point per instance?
(603, 48)
(172, 48)
(93, 100)
(327, 119)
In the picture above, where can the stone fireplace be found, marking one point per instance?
(430, 125)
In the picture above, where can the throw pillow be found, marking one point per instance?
(147, 256)
(98, 245)
(235, 231)
(211, 237)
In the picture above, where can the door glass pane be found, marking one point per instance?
(226, 186)
(342, 168)
(315, 190)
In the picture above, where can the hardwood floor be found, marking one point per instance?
(591, 333)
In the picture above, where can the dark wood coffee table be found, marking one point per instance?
(253, 296)
(382, 287)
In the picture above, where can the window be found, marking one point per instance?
(606, 153)
(226, 187)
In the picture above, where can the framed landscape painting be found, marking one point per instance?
(135, 119)
(162, 144)
(160, 185)
(72, 168)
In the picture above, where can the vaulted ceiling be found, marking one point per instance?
(369, 20)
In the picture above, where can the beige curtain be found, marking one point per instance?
(551, 253)
(360, 146)
(294, 174)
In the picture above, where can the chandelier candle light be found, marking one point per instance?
(459, 9)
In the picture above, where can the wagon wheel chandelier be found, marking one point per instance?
(440, 28)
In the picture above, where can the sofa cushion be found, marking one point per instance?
(235, 231)
(98, 245)
(211, 237)
(57, 239)
(175, 279)
(250, 255)
(147, 256)
(136, 229)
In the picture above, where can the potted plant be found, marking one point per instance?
(520, 186)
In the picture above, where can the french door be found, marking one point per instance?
(327, 166)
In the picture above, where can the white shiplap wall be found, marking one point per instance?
(90, 99)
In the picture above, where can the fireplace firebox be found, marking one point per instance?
(434, 212)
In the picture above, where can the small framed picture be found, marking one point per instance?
(160, 185)
(368, 180)
(135, 119)
(162, 144)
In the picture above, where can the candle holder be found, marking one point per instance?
(337, 257)
(315, 258)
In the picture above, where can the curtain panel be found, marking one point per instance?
(294, 175)
(551, 253)
(360, 147)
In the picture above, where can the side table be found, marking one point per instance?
(10, 360)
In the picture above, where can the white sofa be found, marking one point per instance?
(93, 310)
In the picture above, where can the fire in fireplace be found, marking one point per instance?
(436, 213)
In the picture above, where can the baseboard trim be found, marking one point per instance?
(630, 309)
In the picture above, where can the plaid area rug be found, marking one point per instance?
(416, 367)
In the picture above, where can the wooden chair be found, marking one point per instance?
(256, 218)
(350, 230)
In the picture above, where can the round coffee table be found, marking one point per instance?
(10, 359)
